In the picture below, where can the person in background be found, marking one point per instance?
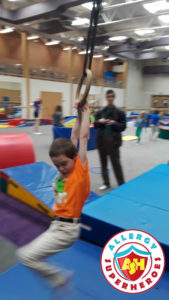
(110, 122)
(154, 125)
(57, 117)
(162, 119)
(37, 107)
(91, 118)
(140, 123)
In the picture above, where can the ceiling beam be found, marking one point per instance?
(39, 10)
(148, 70)
(152, 55)
(123, 55)
(128, 55)
(154, 43)
(127, 46)
(5, 14)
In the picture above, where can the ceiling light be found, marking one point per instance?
(80, 21)
(32, 37)
(110, 58)
(66, 48)
(83, 52)
(89, 5)
(106, 48)
(118, 38)
(18, 65)
(51, 43)
(97, 55)
(164, 18)
(154, 7)
(80, 39)
(7, 30)
(43, 69)
(142, 32)
(148, 49)
(132, 1)
(167, 47)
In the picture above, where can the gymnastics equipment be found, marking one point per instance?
(87, 283)
(16, 122)
(15, 149)
(32, 185)
(90, 44)
(141, 203)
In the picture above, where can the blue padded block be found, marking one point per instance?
(65, 132)
(111, 214)
(88, 282)
(150, 188)
(93, 196)
(37, 178)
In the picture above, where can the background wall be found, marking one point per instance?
(140, 88)
(155, 85)
(51, 57)
(134, 85)
(38, 86)
(10, 85)
(138, 92)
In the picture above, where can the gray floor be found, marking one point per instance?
(7, 255)
(135, 161)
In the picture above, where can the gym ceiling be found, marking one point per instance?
(137, 29)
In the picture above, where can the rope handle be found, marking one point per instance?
(83, 98)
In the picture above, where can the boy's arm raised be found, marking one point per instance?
(84, 135)
(76, 130)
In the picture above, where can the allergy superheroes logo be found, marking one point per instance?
(132, 261)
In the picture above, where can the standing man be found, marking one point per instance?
(110, 122)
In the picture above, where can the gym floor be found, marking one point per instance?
(135, 159)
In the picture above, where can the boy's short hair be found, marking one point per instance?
(62, 146)
(110, 92)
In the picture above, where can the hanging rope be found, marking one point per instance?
(87, 74)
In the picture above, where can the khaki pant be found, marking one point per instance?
(59, 236)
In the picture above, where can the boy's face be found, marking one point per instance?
(64, 164)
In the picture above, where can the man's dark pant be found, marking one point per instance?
(106, 149)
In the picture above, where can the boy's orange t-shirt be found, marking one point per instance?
(76, 191)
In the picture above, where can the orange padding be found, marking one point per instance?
(15, 149)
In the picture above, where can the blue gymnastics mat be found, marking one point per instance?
(151, 188)
(88, 282)
(142, 203)
(37, 179)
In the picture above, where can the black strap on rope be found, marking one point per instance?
(91, 35)
(87, 74)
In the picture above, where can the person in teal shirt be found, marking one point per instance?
(140, 124)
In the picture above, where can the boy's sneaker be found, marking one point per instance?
(61, 279)
(37, 132)
(104, 187)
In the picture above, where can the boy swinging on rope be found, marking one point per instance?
(74, 181)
